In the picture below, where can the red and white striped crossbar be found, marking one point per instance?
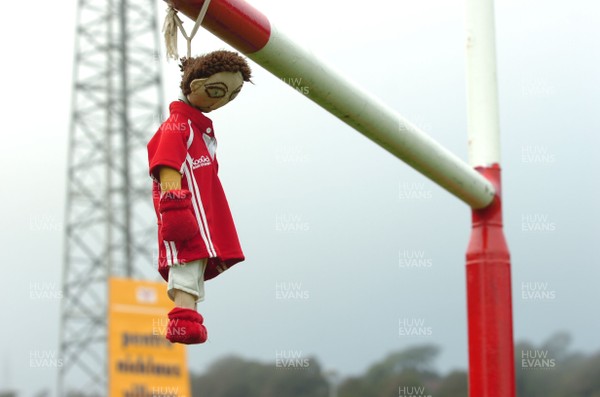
(250, 32)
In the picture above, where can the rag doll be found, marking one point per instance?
(197, 238)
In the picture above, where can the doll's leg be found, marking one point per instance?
(186, 284)
(185, 288)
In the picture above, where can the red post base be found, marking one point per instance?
(489, 301)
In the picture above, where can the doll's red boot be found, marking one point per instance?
(185, 326)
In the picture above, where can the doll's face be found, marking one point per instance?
(215, 91)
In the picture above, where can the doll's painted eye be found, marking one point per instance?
(215, 91)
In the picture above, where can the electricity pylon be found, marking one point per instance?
(110, 227)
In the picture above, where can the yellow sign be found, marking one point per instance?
(142, 362)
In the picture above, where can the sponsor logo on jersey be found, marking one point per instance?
(203, 161)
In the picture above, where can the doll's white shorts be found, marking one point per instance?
(188, 278)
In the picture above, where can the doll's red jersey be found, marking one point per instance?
(186, 142)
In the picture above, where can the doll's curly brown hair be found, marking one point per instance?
(208, 64)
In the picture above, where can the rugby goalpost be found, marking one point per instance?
(478, 184)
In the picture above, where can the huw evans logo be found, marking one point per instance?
(537, 223)
(291, 359)
(412, 391)
(414, 327)
(414, 191)
(297, 83)
(537, 359)
(44, 290)
(290, 291)
(44, 359)
(537, 154)
(291, 223)
(203, 161)
(140, 390)
(414, 259)
(538, 291)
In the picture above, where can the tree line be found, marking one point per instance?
(550, 369)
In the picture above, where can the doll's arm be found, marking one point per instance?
(177, 217)
(170, 179)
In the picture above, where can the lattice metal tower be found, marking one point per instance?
(110, 224)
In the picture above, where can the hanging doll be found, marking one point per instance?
(196, 233)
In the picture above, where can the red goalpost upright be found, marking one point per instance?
(489, 300)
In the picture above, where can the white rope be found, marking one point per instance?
(172, 22)
(170, 33)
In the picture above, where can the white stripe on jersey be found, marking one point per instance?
(174, 252)
(171, 251)
(199, 207)
(191, 137)
(189, 143)
(222, 267)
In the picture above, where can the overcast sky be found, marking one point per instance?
(359, 214)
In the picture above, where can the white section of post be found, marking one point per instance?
(482, 89)
(287, 60)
